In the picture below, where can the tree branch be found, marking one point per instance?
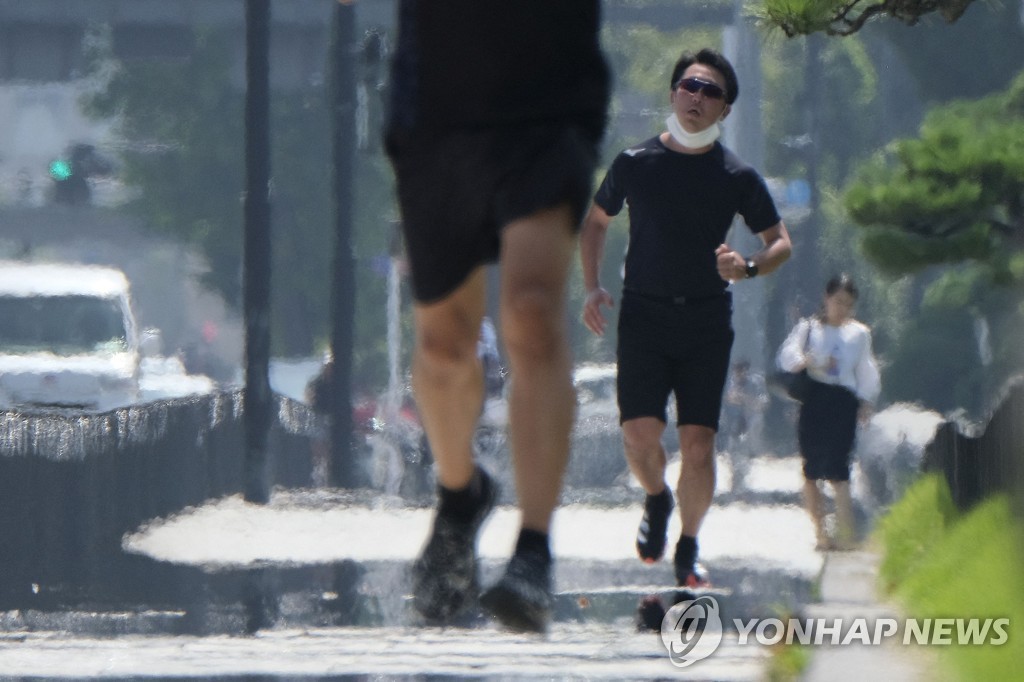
(845, 20)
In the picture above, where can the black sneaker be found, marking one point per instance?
(652, 534)
(688, 572)
(695, 577)
(444, 578)
(690, 575)
(690, 581)
(522, 600)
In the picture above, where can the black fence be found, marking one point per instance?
(982, 460)
(72, 485)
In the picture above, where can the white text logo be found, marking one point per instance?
(692, 630)
(837, 631)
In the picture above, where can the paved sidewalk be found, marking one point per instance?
(849, 590)
(321, 553)
(572, 651)
(760, 549)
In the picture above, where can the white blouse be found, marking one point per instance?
(836, 355)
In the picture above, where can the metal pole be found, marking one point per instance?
(342, 86)
(808, 257)
(256, 268)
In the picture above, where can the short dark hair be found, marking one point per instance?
(841, 282)
(715, 60)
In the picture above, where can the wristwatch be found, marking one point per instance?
(751, 268)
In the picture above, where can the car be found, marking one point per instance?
(595, 391)
(597, 458)
(68, 338)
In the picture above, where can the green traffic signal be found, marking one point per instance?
(60, 169)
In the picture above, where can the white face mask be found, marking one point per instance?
(692, 140)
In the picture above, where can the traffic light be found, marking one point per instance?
(70, 173)
(69, 185)
(60, 170)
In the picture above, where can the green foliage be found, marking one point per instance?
(898, 253)
(883, 299)
(832, 111)
(788, 662)
(952, 546)
(184, 155)
(932, 556)
(948, 207)
(936, 363)
(844, 18)
(912, 527)
(955, 193)
(797, 17)
(1015, 266)
(954, 289)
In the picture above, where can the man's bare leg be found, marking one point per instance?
(645, 454)
(641, 438)
(447, 377)
(448, 383)
(696, 491)
(536, 256)
(696, 476)
(536, 253)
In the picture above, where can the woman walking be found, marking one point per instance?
(836, 351)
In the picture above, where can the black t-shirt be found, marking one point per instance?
(479, 63)
(680, 209)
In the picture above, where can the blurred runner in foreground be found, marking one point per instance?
(497, 113)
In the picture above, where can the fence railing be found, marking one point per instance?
(982, 460)
(71, 485)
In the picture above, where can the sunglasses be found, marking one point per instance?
(695, 85)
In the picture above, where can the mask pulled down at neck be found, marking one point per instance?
(692, 140)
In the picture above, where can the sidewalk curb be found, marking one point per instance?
(849, 589)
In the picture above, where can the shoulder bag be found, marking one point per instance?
(792, 385)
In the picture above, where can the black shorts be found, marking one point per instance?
(826, 431)
(458, 189)
(680, 348)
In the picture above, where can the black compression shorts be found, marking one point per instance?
(458, 189)
(680, 348)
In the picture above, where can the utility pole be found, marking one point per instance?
(744, 134)
(341, 96)
(256, 266)
(814, 87)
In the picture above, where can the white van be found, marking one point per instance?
(67, 337)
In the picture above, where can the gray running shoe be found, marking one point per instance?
(522, 600)
(444, 578)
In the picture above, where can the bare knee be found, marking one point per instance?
(697, 446)
(442, 352)
(642, 438)
(532, 322)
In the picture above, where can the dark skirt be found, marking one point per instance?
(826, 431)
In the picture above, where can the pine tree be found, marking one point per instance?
(954, 194)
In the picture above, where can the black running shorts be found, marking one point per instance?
(458, 189)
(680, 348)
